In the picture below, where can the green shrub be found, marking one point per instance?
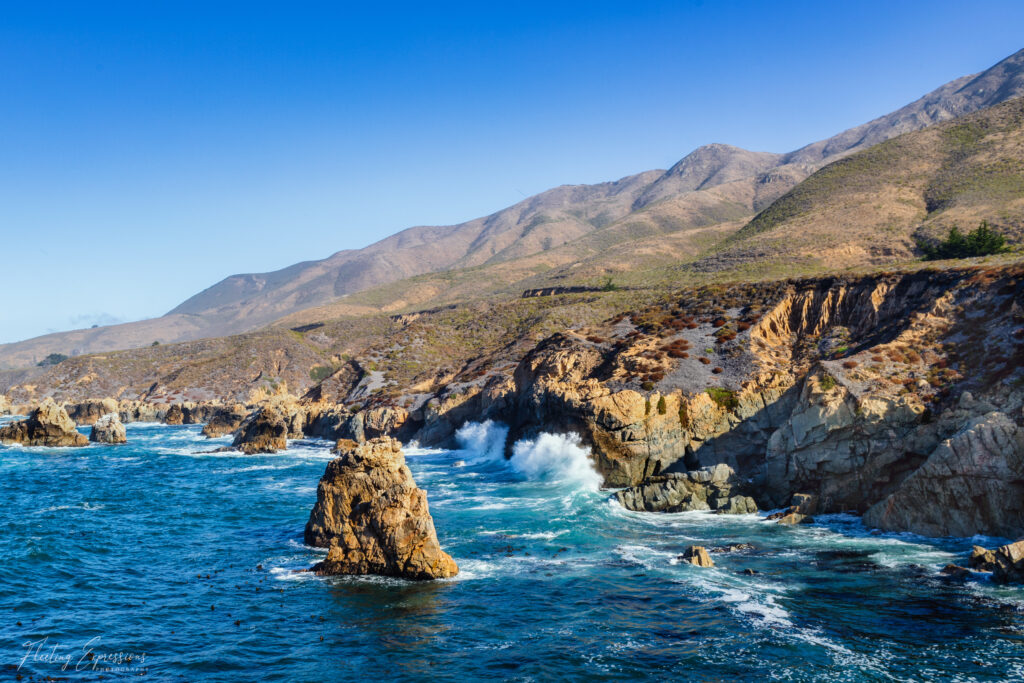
(828, 382)
(318, 373)
(982, 241)
(684, 415)
(647, 386)
(647, 407)
(724, 398)
(662, 406)
(52, 359)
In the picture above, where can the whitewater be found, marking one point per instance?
(160, 560)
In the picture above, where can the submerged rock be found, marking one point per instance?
(47, 425)
(697, 555)
(733, 548)
(790, 515)
(956, 571)
(372, 517)
(108, 429)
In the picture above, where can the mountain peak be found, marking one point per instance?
(707, 166)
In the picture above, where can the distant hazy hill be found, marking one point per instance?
(714, 185)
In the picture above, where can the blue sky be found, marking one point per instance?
(151, 149)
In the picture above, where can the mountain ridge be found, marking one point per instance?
(537, 225)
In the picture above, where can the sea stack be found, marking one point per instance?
(372, 517)
(47, 425)
(108, 429)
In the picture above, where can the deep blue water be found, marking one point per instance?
(186, 563)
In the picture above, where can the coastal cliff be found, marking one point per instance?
(896, 395)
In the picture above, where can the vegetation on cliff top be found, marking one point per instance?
(982, 241)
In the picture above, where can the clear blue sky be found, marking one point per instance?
(151, 149)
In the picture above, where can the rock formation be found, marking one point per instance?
(972, 482)
(108, 429)
(225, 420)
(87, 412)
(5, 405)
(175, 415)
(698, 556)
(47, 425)
(705, 489)
(1006, 562)
(142, 411)
(266, 431)
(372, 517)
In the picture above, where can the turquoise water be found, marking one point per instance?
(186, 564)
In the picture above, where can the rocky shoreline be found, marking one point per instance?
(878, 395)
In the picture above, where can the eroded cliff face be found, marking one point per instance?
(857, 392)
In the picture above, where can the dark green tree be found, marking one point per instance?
(982, 241)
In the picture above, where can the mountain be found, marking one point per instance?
(967, 94)
(715, 185)
(871, 207)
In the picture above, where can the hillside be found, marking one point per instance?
(567, 232)
(872, 206)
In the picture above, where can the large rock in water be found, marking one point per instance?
(224, 420)
(47, 425)
(108, 429)
(373, 518)
(265, 432)
(1006, 562)
(269, 428)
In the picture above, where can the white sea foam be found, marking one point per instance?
(556, 457)
(485, 440)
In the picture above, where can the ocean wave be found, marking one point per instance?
(485, 440)
(556, 457)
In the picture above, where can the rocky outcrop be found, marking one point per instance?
(142, 411)
(706, 489)
(372, 517)
(268, 429)
(972, 483)
(87, 412)
(632, 436)
(849, 450)
(1006, 562)
(108, 429)
(175, 415)
(47, 425)
(698, 556)
(224, 420)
